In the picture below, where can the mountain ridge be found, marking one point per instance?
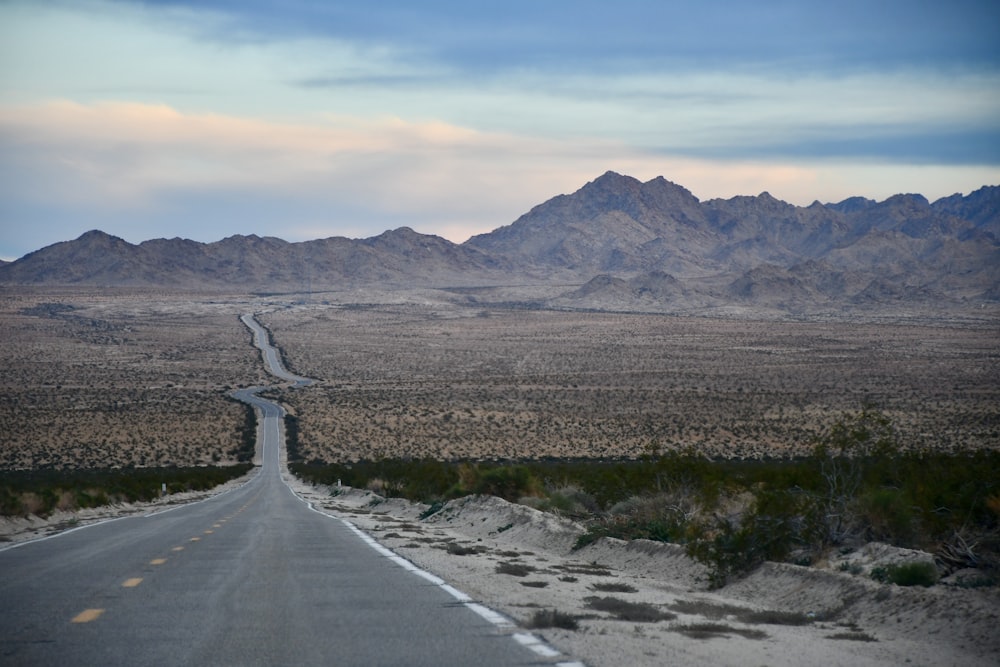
(654, 241)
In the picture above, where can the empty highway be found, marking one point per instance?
(253, 576)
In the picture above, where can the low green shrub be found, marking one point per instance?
(732, 547)
(920, 573)
(889, 515)
(851, 568)
(624, 528)
(507, 482)
(41, 492)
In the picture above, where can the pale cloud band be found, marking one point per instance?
(341, 175)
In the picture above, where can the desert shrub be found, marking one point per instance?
(553, 618)
(247, 436)
(768, 530)
(855, 636)
(91, 498)
(569, 500)
(773, 617)
(462, 550)
(726, 549)
(426, 480)
(851, 568)
(920, 573)
(39, 492)
(630, 528)
(507, 482)
(857, 451)
(623, 610)
(663, 517)
(292, 437)
(613, 587)
(420, 480)
(888, 515)
(711, 610)
(711, 630)
(433, 509)
(514, 569)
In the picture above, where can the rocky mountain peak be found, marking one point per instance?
(649, 242)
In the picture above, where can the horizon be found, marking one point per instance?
(162, 118)
(386, 231)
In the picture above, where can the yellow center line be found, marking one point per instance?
(209, 532)
(158, 561)
(87, 615)
(132, 583)
(195, 539)
(178, 549)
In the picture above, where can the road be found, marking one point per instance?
(253, 576)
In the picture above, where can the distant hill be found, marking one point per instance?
(250, 262)
(651, 246)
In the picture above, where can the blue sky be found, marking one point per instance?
(308, 119)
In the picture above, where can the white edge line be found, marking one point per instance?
(494, 617)
(529, 641)
(532, 642)
(455, 593)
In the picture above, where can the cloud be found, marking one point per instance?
(594, 34)
(338, 173)
(143, 171)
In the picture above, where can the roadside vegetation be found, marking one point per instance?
(42, 492)
(858, 485)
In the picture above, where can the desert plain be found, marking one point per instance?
(111, 378)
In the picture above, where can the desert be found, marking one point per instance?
(563, 333)
(424, 374)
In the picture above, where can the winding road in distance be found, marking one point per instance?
(252, 576)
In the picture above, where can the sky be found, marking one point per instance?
(307, 119)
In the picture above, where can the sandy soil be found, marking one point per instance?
(781, 615)
(845, 619)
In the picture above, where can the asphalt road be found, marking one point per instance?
(253, 576)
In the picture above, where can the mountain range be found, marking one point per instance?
(615, 243)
